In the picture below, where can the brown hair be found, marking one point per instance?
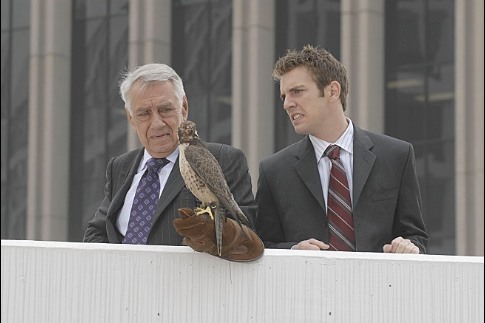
(322, 65)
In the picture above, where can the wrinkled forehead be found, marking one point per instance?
(153, 92)
(140, 87)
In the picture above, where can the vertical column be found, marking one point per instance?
(150, 24)
(253, 85)
(469, 127)
(362, 44)
(49, 120)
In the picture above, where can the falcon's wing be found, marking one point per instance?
(206, 166)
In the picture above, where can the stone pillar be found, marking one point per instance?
(469, 127)
(253, 85)
(362, 47)
(49, 120)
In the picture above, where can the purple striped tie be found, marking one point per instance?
(339, 206)
(145, 203)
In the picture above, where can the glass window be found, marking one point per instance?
(98, 121)
(15, 108)
(299, 23)
(5, 19)
(419, 104)
(21, 13)
(201, 55)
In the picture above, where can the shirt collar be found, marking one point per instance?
(146, 156)
(345, 141)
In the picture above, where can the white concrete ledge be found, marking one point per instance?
(77, 282)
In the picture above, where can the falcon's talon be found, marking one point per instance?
(208, 210)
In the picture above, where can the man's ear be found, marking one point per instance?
(185, 108)
(335, 89)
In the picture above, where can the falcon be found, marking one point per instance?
(203, 176)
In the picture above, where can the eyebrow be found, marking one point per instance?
(296, 87)
(161, 105)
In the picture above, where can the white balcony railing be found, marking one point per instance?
(76, 282)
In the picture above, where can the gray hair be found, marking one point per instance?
(147, 74)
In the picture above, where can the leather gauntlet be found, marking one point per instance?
(199, 234)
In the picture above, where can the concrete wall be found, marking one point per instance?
(75, 282)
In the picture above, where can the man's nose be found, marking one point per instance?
(157, 118)
(288, 103)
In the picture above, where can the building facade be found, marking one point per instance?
(415, 70)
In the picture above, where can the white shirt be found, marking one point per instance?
(124, 217)
(345, 142)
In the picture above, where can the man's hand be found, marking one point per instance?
(311, 244)
(400, 245)
(199, 234)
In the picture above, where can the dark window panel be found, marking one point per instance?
(96, 71)
(119, 7)
(98, 122)
(5, 72)
(16, 211)
(20, 73)
(95, 133)
(15, 88)
(117, 57)
(21, 13)
(437, 181)
(118, 61)
(201, 55)
(85, 9)
(5, 6)
(419, 104)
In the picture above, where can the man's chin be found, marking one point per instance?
(299, 130)
(161, 151)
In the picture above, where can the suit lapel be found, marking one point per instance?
(121, 185)
(306, 167)
(125, 178)
(363, 162)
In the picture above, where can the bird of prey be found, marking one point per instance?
(203, 176)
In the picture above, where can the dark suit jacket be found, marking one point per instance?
(119, 176)
(386, 197)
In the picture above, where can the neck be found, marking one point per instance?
(333, 129)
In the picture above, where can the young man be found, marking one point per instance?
(341, 187)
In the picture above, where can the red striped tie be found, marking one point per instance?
(339, 206)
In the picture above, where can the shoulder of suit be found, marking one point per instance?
(289, 153)
(129, 157)
(216, 148)
(378, 138)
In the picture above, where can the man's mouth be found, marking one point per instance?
(159, 136)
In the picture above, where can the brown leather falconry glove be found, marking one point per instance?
(199, 234)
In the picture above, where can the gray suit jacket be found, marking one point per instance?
(386, 197)
(119, 176)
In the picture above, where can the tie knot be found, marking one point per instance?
(332, 152)
(155, 164)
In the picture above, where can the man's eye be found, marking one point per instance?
(166, 112)
(143, 113)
